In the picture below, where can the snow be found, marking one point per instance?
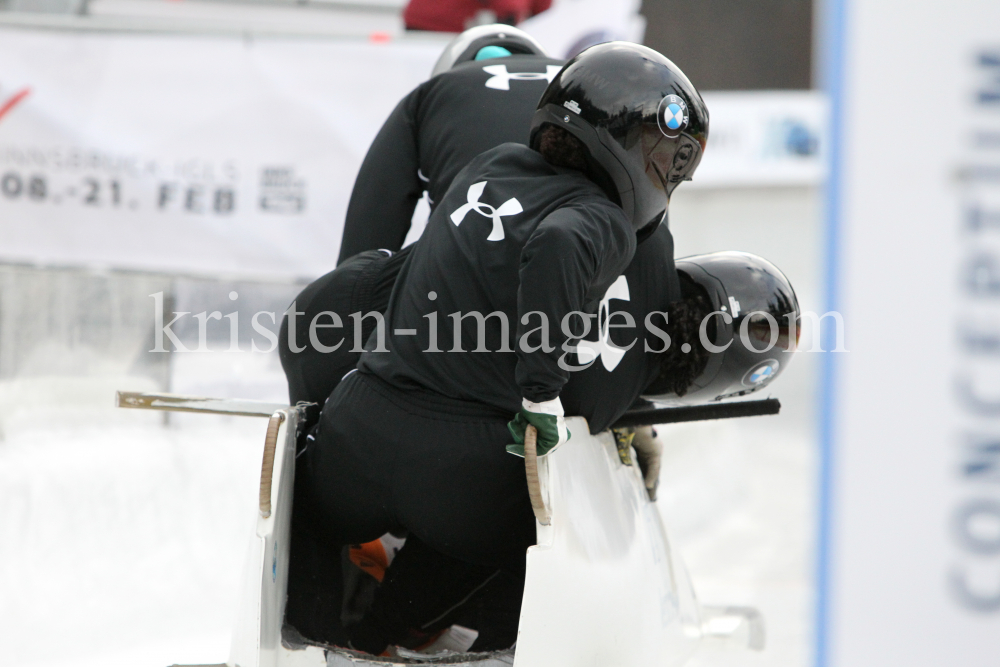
(124, 533)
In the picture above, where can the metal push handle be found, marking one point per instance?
(531, 471)
(267, 467)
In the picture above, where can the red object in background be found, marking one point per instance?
(12, 102)
(451, 15)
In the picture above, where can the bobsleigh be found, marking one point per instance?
(603, 586)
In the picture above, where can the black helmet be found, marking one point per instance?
(465, 47)
(754, 316)
(642, 121)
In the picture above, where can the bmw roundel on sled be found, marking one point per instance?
(603, 586)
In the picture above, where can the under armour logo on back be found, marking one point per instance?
(509, 207)
(501, 77)
(610, 354)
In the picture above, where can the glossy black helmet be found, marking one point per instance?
(466, 45)
(643, 123)
(750, 328)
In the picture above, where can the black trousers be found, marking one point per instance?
(360, 284)
(384, 460)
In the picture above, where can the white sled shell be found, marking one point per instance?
(603, 586)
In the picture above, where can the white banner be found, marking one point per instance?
(910, 556)
(227, 156)
(189, 153)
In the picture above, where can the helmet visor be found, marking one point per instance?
(769, 330)
(668, 161)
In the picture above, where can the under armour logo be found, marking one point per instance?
(501, 77)
(611, 355)
(509, 207)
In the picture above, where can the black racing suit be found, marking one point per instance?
(601, 393)
(606, 388)
(434, 132)
(520, 243)
(415, 440)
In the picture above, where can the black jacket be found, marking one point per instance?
(512, 236)
(432, 134)
(600, 394)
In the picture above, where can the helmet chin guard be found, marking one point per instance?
(466, 45)
(642, 122)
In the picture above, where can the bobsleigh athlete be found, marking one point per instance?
(419, 438)
(482, 93)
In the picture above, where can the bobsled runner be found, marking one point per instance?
(603, 586)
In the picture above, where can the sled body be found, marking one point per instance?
(603, 587)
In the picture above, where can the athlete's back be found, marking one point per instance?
(432, 134)
(513, 235)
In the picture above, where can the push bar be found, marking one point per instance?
(694, 413)
(635, 417)
(177, 403)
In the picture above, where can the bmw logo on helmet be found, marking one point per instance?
(761, 373)
(672, 116)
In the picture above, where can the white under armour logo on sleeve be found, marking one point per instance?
(501, 77)
(610, 354)
(509, 207)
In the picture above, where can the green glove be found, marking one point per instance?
(547, 418)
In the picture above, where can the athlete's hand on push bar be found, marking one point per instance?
(547, 417)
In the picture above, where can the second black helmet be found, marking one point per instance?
(642, 122)
(747, 331)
